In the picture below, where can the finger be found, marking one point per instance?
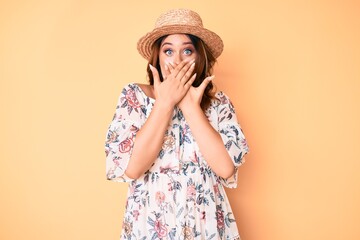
(155, 74)
(190, 82)
(171, 67)
(187, 74)
(182, 68)
(167, 71)
(205, 83)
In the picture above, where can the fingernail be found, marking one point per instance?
(151, 67)
(212, 77)
(166, 66)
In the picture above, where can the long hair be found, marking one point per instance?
(203, 67)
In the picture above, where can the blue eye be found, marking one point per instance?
(187, 52)
(168, 52)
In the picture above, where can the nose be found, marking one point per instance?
(177, 58)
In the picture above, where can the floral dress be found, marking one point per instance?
(179, 197)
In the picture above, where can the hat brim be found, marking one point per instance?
(211, 39)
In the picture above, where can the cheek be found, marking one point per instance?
(194, 55)
(190, 57)
(162, 61)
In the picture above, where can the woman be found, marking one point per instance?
(175, 141)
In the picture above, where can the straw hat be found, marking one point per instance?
(180, 21)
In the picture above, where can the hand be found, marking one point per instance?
(194, 96)
(176, 84)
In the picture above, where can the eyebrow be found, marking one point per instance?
(184, 43)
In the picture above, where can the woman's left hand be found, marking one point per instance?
(194, 95)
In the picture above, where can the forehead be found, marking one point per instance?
(177, 39)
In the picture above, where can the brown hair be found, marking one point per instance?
(203, 67)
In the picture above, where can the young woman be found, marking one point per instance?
(176, 142)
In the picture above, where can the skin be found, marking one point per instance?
(177, 56)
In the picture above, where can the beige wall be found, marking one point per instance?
(290, 67)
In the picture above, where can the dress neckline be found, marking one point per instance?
(143, 93)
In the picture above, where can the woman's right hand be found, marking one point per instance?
(175, 85)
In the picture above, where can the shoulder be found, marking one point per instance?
(144, 90)
(147, 89)
(221, 99)
(130, 87)
(221, 103)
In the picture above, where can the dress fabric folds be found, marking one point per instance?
(179, 197)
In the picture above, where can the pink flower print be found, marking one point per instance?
(194, 158)
(126, 145)
(117, 162)
(131, 189)
(187, 232)
(160, 229)
(223, 99)
(220, 219)
(216, 189)
(191, 191)
(169, 143)
(184, 131)
(203, 215)
(244, 143)
(170, 187)
(136, 214)
(127, 228)
(112, 136)
(133, 128)
(159, 197)
(131, 99)
(168, 168)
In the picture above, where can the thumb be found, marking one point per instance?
(205, 83)
(155, 74)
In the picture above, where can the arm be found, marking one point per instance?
(149, 138)
(209, 141)
(224, 147)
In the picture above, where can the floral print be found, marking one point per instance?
(179, 197)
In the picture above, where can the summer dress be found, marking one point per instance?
(179, 197)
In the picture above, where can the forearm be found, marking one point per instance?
(209, 141)
(149, 140)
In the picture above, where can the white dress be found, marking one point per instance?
(179, 197)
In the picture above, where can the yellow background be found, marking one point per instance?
(291, 69)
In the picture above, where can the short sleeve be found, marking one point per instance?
(232, 136)
(121, 133)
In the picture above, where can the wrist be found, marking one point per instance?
(191, 109)
(163, 106)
